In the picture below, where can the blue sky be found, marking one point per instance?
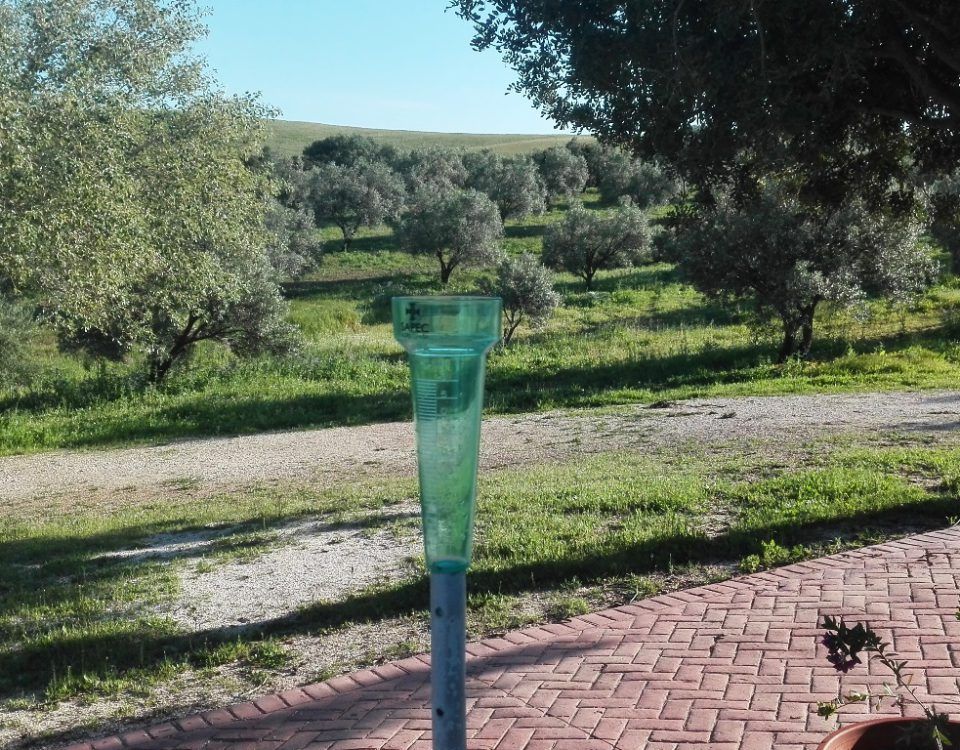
(397, 64)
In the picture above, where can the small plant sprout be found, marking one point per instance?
(845, 646)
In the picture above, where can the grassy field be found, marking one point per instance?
(77, 621)
(641, 336)
(288, 138)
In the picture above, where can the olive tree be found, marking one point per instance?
(593, 154)
(586, 242)
(526, 287)
(786, 258)
(645, 183)
(458, 227)
(293, 247)
(439, 168)
(842, 90)
(361, 195)
(131, 211)
(345, 150)
(512, 183)
(564, 173)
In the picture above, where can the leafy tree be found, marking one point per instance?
(786, 258)
(645, 183)
(459, 227)
(362, 195)
(438, 168)
(564, 173)
(586, 242)
(526, 288)
(128, 206)
(344, 150)
(513, 183)
(593, 154)
(293, 247)
(845, 88)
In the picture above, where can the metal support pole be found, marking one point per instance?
(448, 636)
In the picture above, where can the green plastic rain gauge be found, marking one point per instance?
(447, 339)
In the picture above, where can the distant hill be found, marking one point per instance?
(289, 138)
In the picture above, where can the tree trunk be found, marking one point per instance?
(789, 345)
(348, 233)
(445, 270)
(510, 327)
(806, 331)
(160, 368)
(588, 277)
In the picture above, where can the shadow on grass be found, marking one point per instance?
(637, 278)
(357, 288)
(511, 387)
(106, 652)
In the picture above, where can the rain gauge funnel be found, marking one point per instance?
(447, 339)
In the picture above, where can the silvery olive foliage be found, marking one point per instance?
(512, 183)
(593, 154)
(586, 242)
(293, 247)
(788, 258)
(130, 213)
(645, 183)
(438, 168)
(458, 227)
(564, 173)
(360, 195)
(526, 287)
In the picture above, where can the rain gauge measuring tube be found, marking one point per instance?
(447, 339)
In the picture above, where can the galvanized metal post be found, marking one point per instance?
(448, 635)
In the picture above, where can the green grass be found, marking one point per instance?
(552, 541)
(289, 138)
(640, 336)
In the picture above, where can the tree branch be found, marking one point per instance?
(940, 44)
(899, 52)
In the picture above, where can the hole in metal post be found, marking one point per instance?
(439, 611)
(439, 712)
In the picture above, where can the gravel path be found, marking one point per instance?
(331, 456)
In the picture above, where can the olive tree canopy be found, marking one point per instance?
(787, 258)
(458, 227)
(129, 210)
(847, 88)
(586, 242)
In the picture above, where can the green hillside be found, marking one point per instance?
(289, 138)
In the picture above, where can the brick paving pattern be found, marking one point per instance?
(730, 666)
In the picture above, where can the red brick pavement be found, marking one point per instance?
(730, 666)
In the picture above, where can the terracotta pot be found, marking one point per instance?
(877, 734)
